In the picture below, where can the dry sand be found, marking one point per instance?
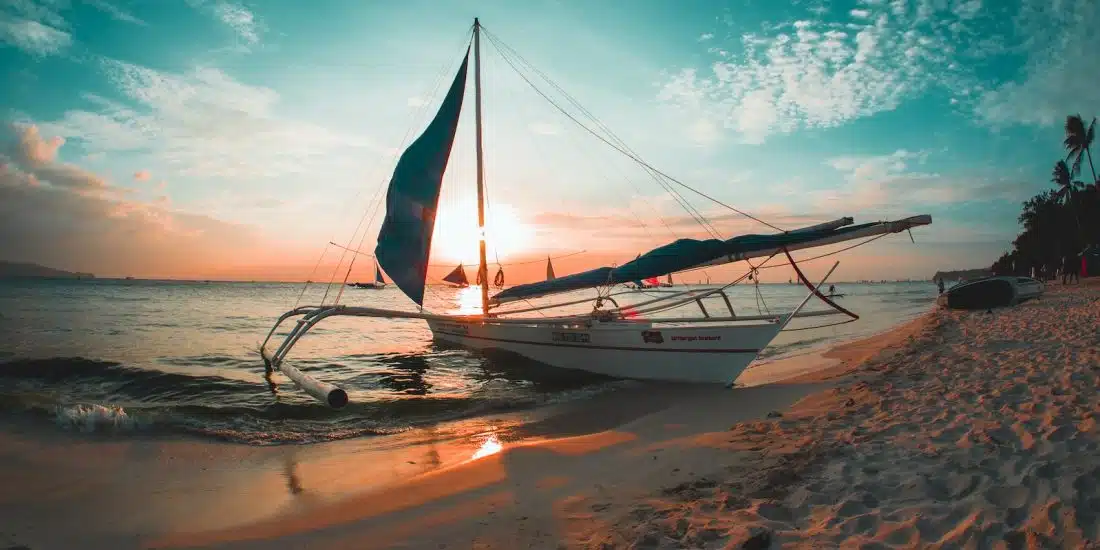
(980, 432)
(968, 430)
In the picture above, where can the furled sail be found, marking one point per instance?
(690, 253)
(405, 239)
(549, 270)
(457, 276)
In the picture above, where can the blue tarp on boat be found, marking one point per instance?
(670, 258)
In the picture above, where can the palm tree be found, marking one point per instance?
(1078, 141)
(1060, 176)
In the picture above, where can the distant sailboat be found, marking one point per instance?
(458, 277)
(668, 281)
(378, 283)
(549, 270)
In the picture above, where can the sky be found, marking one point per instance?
(214, 139)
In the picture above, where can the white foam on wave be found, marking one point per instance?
(93, 418)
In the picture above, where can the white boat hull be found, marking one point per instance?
(638, 350)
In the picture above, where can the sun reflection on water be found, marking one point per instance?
(491, 446)
(468, 300)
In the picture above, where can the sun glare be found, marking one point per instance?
(491, 446)
(468, 300)
(456, 233)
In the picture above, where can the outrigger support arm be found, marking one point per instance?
(323, 391)
(817, 291)
(813, 291)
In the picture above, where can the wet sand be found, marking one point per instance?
(866, 445)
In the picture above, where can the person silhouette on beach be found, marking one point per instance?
(1069, 268)
(939, 283)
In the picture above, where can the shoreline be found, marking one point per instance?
(181, 491)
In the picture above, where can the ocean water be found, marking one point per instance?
(161, 357)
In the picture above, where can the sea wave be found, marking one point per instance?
(94, 418)
(96, 396)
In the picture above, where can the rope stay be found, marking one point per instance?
(618, 144)
(614, 142)
(598, 167)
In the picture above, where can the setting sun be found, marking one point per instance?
(456, 233)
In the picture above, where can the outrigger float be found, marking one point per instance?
(634, 341)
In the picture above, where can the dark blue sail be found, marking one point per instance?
(405, 238)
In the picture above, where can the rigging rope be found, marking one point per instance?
(310, 279)
(621, 149)
(698, 216)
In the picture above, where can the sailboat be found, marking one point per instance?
(631, 341)
(457, 277)
(549, 270)
(378, 283)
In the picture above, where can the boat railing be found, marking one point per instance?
(666, 302)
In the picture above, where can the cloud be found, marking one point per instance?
(201, 122)
(817, 73)
(238, 18)
(116, 13)
(63, 216)
(33, 37)
(888, 184)
(1061, 42)
(627, 229)
(706, 36)
(35, 160)
(141, 175)
(38, 27)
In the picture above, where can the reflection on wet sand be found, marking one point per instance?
(491, 446)
(290, 471)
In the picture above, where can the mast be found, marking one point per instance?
(482, 268)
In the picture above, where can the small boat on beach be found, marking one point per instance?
(991, 292)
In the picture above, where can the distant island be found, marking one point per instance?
(17, 270)
(964, 274)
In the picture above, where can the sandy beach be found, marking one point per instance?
(960, 429)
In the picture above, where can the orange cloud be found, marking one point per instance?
(63, 216)
(38, 160)
(142, 175)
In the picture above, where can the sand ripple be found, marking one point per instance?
(979, 432)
